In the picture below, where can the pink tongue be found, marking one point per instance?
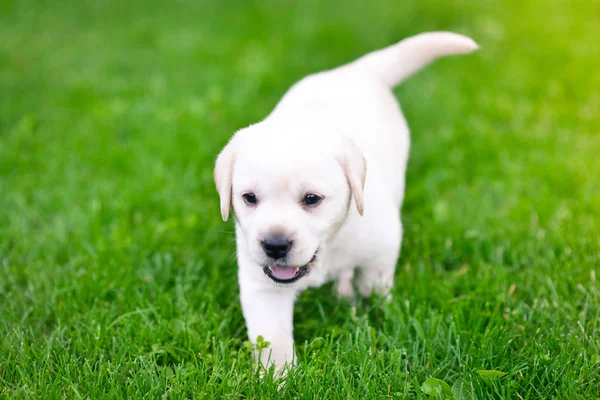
(283, 272)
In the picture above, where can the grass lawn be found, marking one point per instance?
(117, 275)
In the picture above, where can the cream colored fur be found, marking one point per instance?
(339, 134)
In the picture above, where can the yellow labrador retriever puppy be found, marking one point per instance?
(316, 187)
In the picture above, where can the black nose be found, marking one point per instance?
(277, 246)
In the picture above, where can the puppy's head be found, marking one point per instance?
(290, 191)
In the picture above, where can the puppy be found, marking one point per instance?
(316, 187)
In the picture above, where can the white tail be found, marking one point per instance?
(397, 62)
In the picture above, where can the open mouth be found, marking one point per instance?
(285, 274)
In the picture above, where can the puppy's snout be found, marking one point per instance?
(277, 246)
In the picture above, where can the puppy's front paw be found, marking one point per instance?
(280, 356)
(343, 285)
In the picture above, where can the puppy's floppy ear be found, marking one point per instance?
(223, 175)
(355, 169)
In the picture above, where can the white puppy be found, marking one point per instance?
(316, 188)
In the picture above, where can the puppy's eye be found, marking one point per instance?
(311, 199)
(250, 198)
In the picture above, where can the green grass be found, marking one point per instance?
(117, 276)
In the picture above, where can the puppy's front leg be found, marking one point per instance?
(269, 312)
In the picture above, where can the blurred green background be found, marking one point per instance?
(118, 278)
